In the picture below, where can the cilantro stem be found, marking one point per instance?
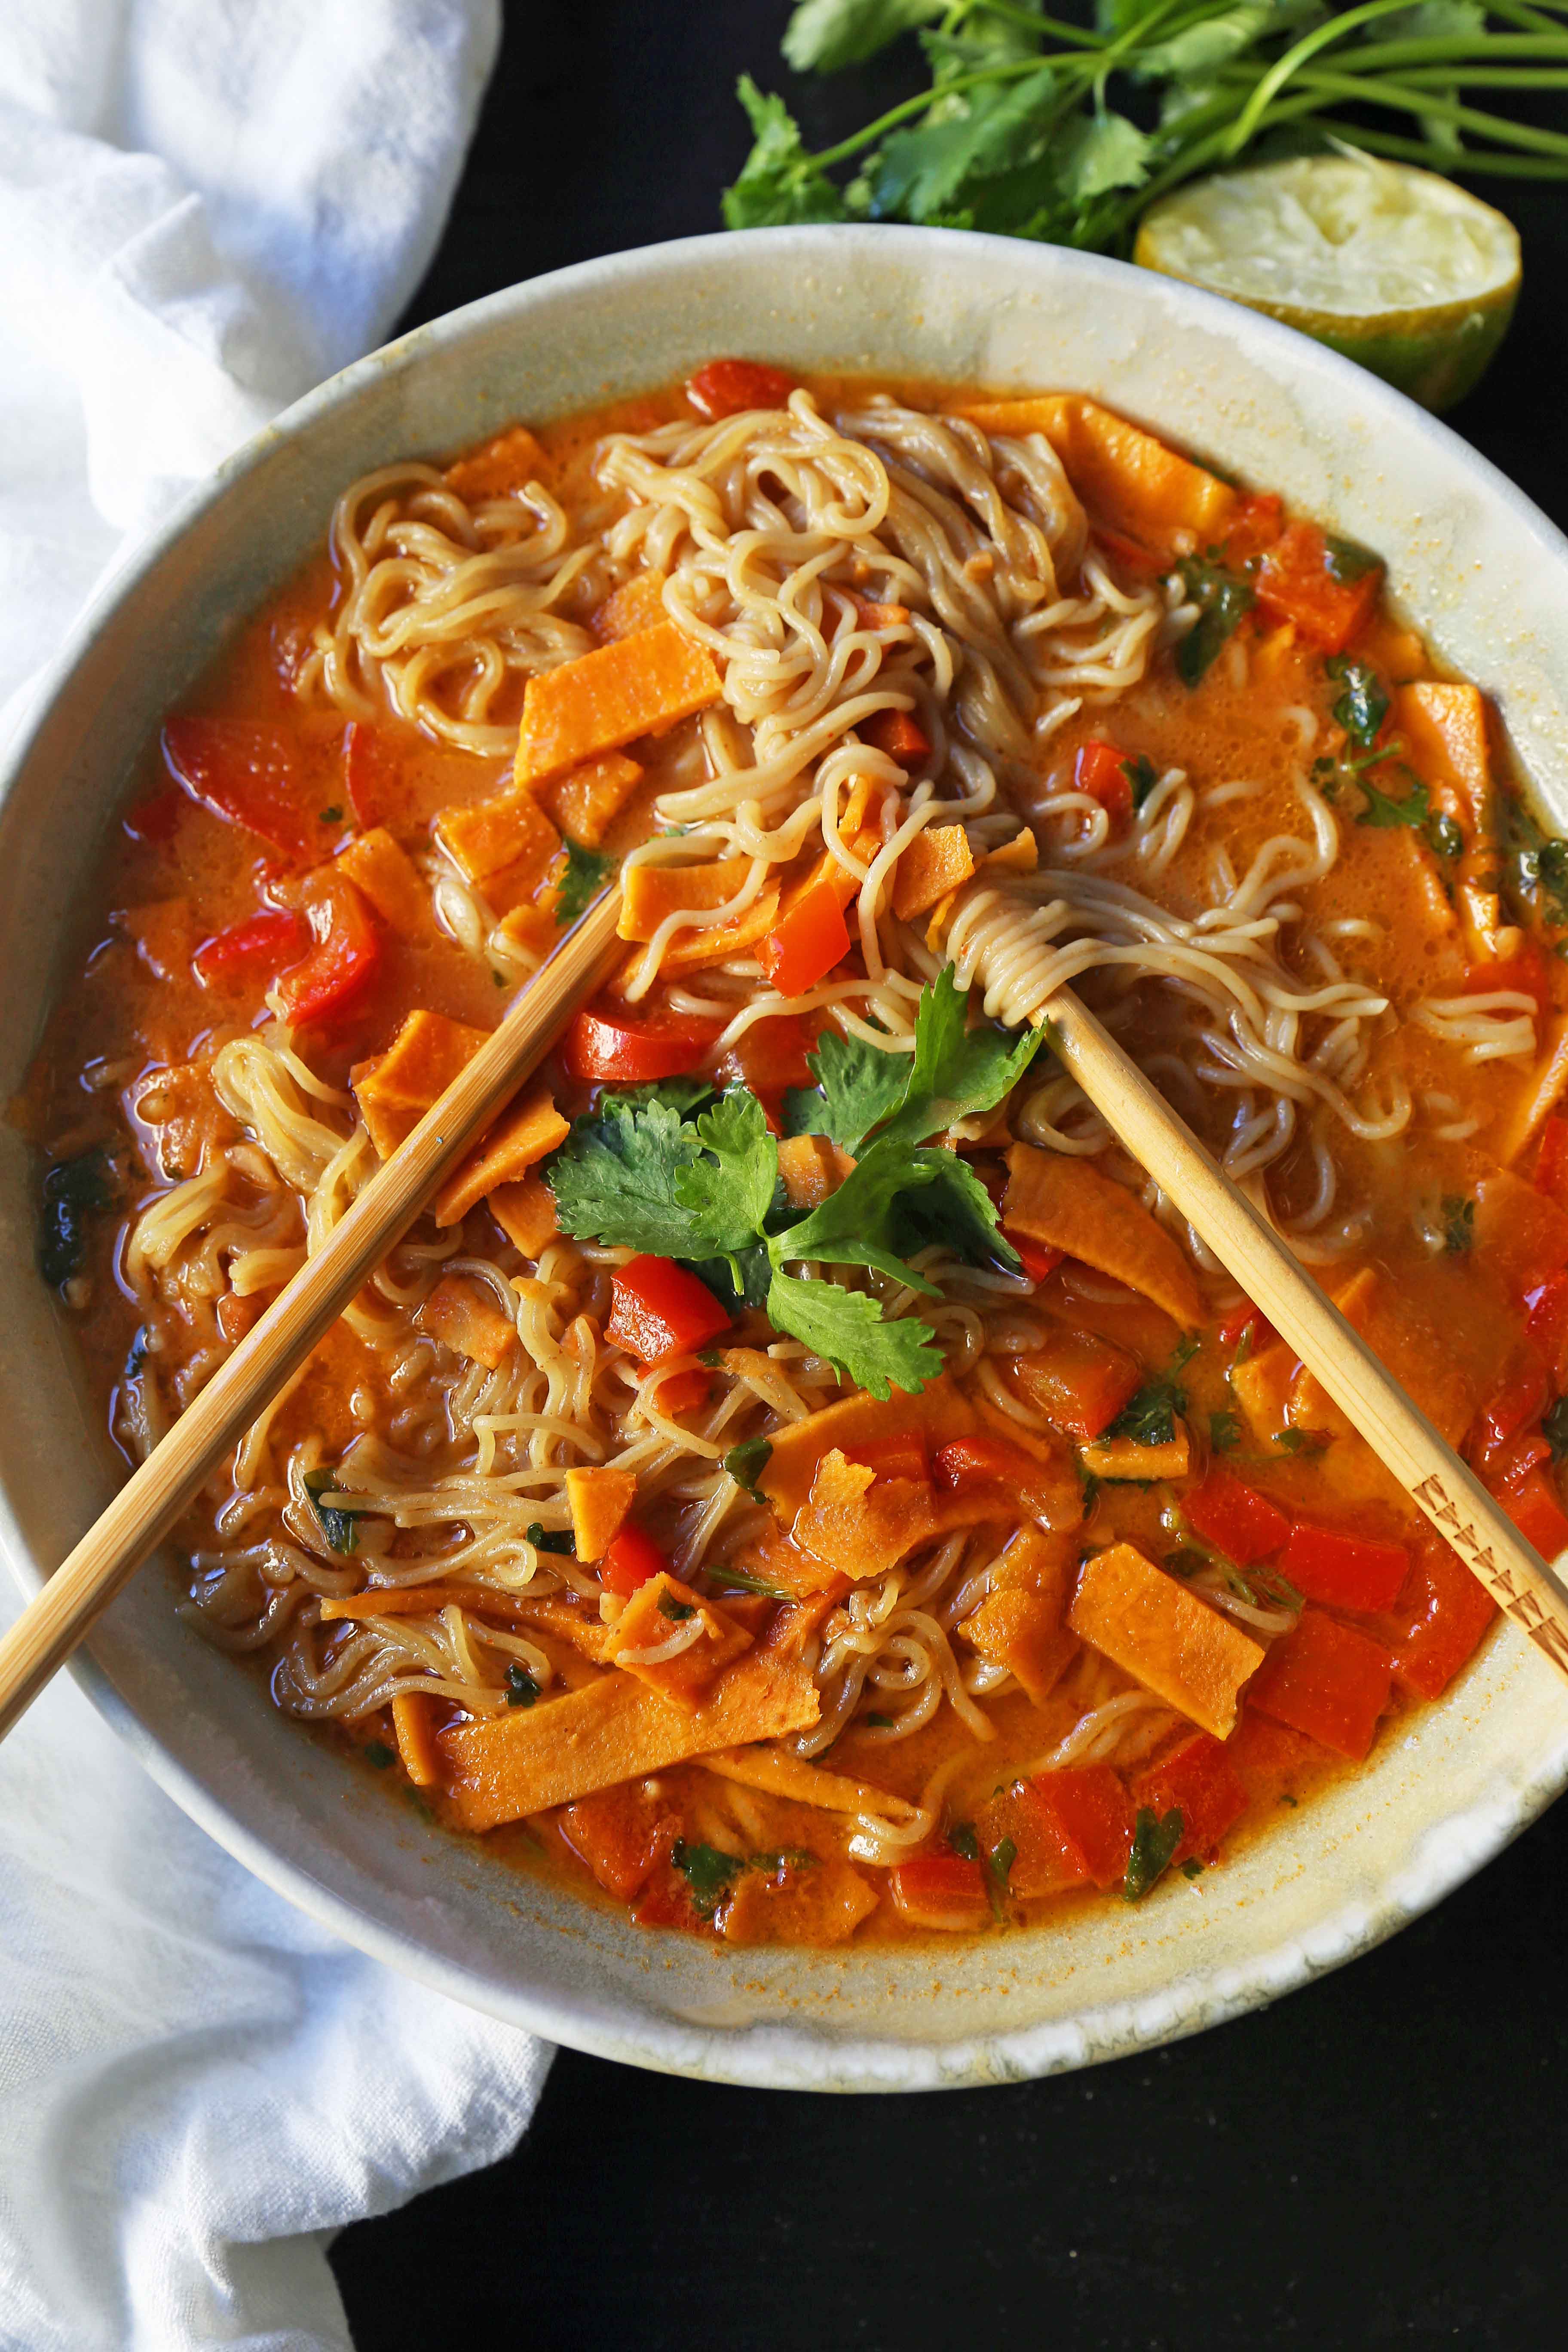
(1249, 122)
(1015, 70)
(1408, 101)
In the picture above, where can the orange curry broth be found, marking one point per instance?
(137, 1001)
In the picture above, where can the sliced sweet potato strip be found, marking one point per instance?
(415, 1733)
(520, 1138)
(526, 1213)
(530, 927)
(939, 1411)
(586, 800)
(637, 603)
(1124, 477)
(936, 862)
(395, 1090)
(614, 1730)
(861, 1524)
(634, 686)
(1022, 1622)
(1164, 1637)
(819, 1902)
(1124, 1457)
(388, 878)
(779, 1774)
(689, 950)
(600, 1497)
(651, 894)
(1408, 1344)
(1068, 1205)
(1544, 1093)
(509, 462)
(495, 835)
(1445, 730)
(662, 1614)
(463, 1315)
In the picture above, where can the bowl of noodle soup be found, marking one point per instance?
(1470, 564)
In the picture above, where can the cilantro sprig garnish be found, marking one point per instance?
(702, 1185)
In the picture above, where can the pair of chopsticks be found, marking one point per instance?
(156, 1496)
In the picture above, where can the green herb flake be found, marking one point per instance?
(878, 1722)
(1346, 561)
(736, 1580)
(587, 871)
(1224, 1431)
(1142, 776)
(522, 1690)
(1192, 1868)
(998, 1867)
(1382, 810)
(746, 1462)
(1150, 1417)
(1223, 600)
(73, 1188)
(1303, 1441)
(1445, 837)
(1154, 1841)
(1459, 1225)
(1554, 1428)
(677, 1612)
(377, 1752)
(707, 1872)
(1362, 703)
(1288, 1800)
(962, 1838)
(337, 1523)
(332, 815)
(556, 1539)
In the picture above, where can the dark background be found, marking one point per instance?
(1374, 2161)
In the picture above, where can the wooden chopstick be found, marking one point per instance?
(1530, 1593)
(155, 1497)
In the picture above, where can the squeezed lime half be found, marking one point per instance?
(1393, 266)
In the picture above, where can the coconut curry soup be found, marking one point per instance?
(800, 1477)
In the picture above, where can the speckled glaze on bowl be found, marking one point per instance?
(1474, 565)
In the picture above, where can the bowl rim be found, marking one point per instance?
(768, 2055)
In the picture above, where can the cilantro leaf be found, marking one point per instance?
(707, 1873)
(558, 1540)
(857, 1085)
(1382, 810)
(1097, 152)
(730, 1194)
(923, 175)
(1142, 776)
(1193, 53)
(779, 183)
(522, 1690)
(1363, 705)
(958, 1071)
(337, 1525)
(736, 1580)
(1150, 1417)
(1445, 837)
(848, 1329)
(1224, 1431)
(615, 1179)
(738, 1280)
(1222, 601)
(1346, 561)
(746, 1462)
(825, 36)
(1153, 1843)
(955, 1208)
(1308, 1442)
(72, 1190)
(860, 1222)
(587, 871)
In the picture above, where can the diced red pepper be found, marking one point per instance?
(1100, 770)
(364, 773)
(1083, 1382)
(901, 1457)
(939, 1888)
(1045, 1860)
(1552, 1161)
(1546, 1325)
(659, 1309)
(967, 1461)
(1199, 1779)
(1525, 973)
(1347, 1571)
(1328, 1681)
(1094, 1814)
(247, 775)
(1438, 1618)
(264, 942)
(1513, 1461)
(769, 1056)
(1522, 1397)
(1256, 523)
(607, 1047)
(629, 1562)
(1294, 583)
(1037, 1262)
(1536, 1509)
(623, 1834)
(1234, 1518)
(811, 939)
(729, 387)
(345, 959)
(680, 1393)
(899, 735)
(156, 819)
(666, 1902)
(1246, 1322)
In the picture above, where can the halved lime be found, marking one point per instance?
(1396, 267)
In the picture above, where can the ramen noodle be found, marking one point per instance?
(800, 1477)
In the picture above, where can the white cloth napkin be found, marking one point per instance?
(205, 206)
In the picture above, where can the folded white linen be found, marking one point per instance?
(205, 206)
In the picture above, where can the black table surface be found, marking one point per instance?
(1370, 2161)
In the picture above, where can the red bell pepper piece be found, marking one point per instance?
(1100, 770)
(1552, 1160)
(901, 1456)
(1524, 972)
(968, 1461)
(1248, 1322)
(1325, 1680)
(247, 775)
(1256, 523)
(623, 1834)
(812, 938)
(1536, 1509)
(364, 773)
(769, 1056)
(1236, 1519)
(729, 387)
(1083, 1382)
(1294, 583)
(1513, 1461)
(1199, 1779)
(680, 1393)
(607, 1047)
(1037, 1262)
(1347, 1571)
(939, 1888)
(1546, 1323)
(1523, 1398)
(345, 959)
(666, 1902)
(657, 1309)
(264, 942)
(899, 735)
(1093, 1816)
(629, 1562)
(155, 820)
(1439, 1619)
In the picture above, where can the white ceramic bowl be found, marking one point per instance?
(1475, 566)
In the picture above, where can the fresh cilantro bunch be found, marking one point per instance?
(1016, 134)
(674, 1171)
